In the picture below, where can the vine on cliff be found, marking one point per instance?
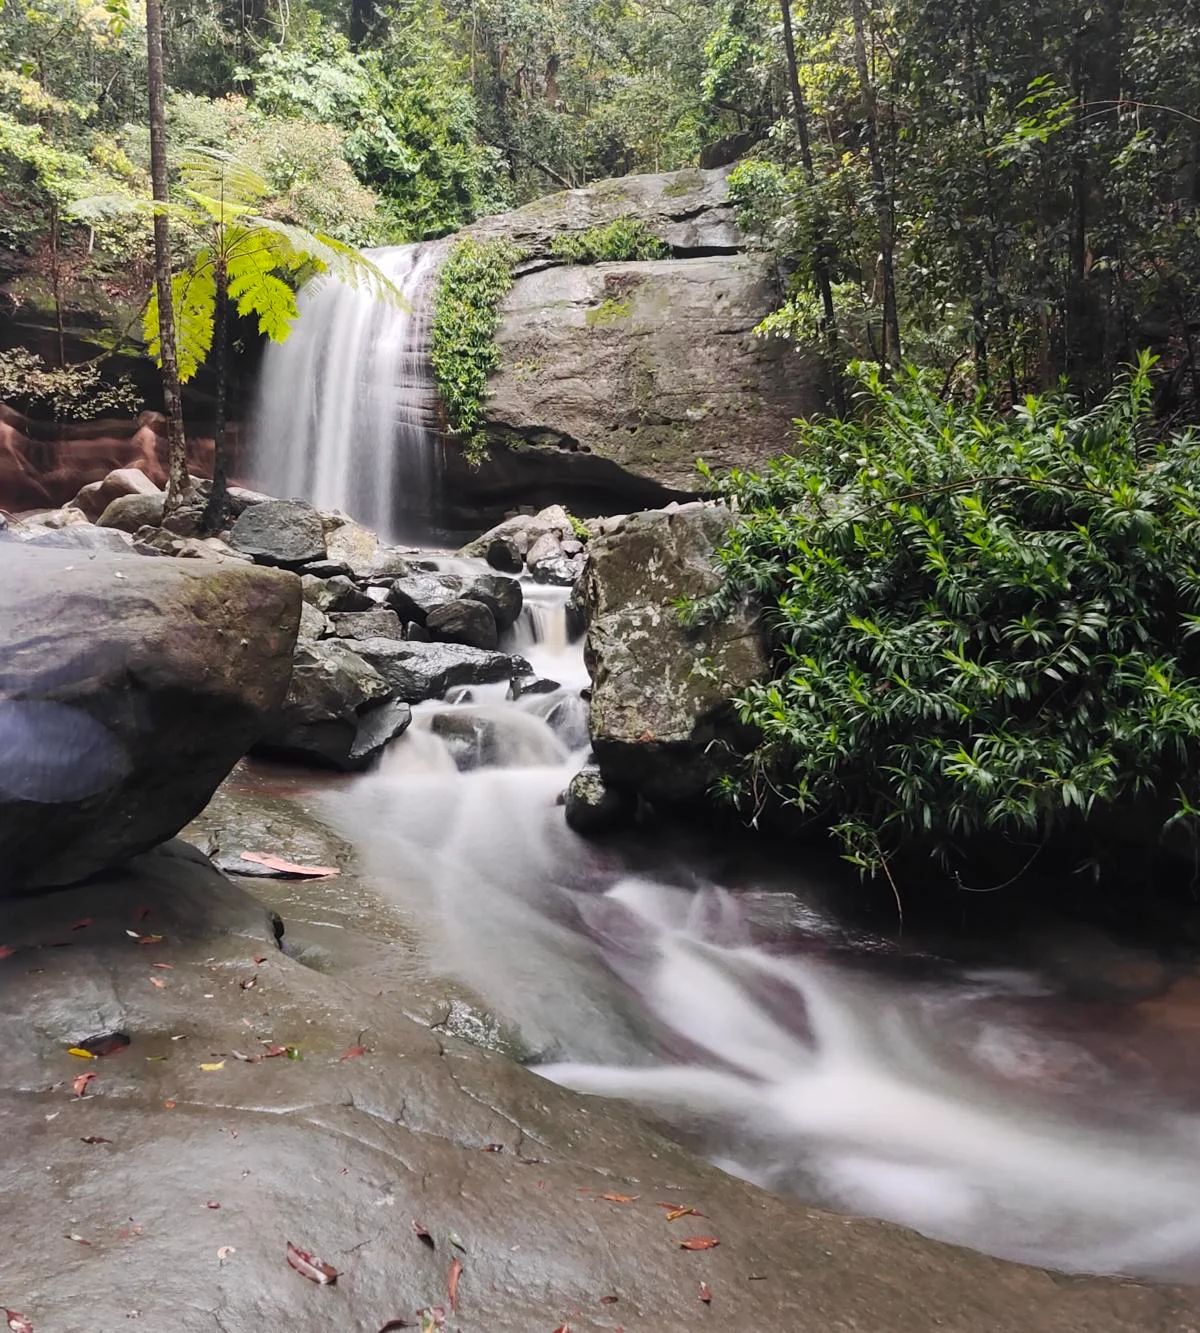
(473, 280)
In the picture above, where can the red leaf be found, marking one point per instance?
(81, 1084)
(563, 1328)
(6, 951)
(609, 1300)
(150, 939)
(492, 1147)
(423, 1234)
(456, 1269)
(289, 867)
(83, 923)
(621, 1198)
(212, 1203)
(699, 1243)
(706, 1293)
(353, 1052)
(95, 1138)
(260, 958)
(273, 1049)
(18, 1323)
(316, 1270)
(168, 1105)
(164, 967)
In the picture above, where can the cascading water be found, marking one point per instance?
(345, 408)
(946, 1101)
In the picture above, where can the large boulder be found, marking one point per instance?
(502, 596)
(280, 532)
(463, 621)
(83, 537)
(378, 624)
(661, 691)
(415, 595)
(131, 512)
(128, 690)
(96, 496)
(418, 671)
(339, 710)
(592, 806)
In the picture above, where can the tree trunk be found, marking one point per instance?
(883, 200)
(178, 481)
(820, 259)
(56, 284)
(218, 500)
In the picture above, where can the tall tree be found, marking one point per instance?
(178, 481)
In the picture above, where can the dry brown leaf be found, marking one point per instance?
(422, 1233)
(353, 1052)
(316, 1270)
(699, 1243)
(158, 982)
(706, 1293)
(455, 1273)
(95, 1138)
(168, 1105)
(676, 1213)
(80, 1084)
(621, 1198)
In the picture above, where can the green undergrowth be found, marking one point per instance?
(472, 283)
(625, 238)
(984, 625)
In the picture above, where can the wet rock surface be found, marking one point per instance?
(280, 532)
(660, 690)
(130, 689)
(418, 671)
(463, 621)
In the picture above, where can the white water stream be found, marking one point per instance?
(926, 1102)
(345, 407)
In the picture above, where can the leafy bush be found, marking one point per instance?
(64, 393)
(982, 623)
(474, 278)
(625, 238)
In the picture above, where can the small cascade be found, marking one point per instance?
(345, 410)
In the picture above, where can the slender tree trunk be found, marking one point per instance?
(56, 283)
(178, 481)
(218, 500)
(820, 260)
(883, 200)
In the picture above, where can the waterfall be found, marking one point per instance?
(345, 407)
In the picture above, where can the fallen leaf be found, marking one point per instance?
(316, 1270)
(150, 939)
(609, 1300)
(492, 1147)
(292, 1052)
(83, 923)
(212, 1203)
(164, 967)
(676, 1213)
(159, 982)
(18, 1323)
(345, 1171)
(249, 983)
(563, 1328)
(706, 1293)
(6, 951)
(107, 1043)
(353, 1052)
(289, 867)
(80, 1052)
(260, 958)
(80, 1084)
(95, 1138)
(213, 1067)
(423, 1234)
(226, 1252)
(432, 1318)
(79, 1240)
(699, 1243)
(455, 1273)
(168, 1105)
(455, 1240)
(621, 1198)
(156, 1059)
(273, 1049)
(248, 1059)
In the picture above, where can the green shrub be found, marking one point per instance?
(983, 624)
(472, 282)
(626, 238)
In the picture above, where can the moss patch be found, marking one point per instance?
(684, 183)
(609, 312)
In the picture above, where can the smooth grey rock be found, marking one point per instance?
(504, 554)
(415, 595)
(654, 717)
(521, 531)
(313, 623)
(592, 806)
(128, 690)
(388, 565)
(84, 537)
(377, 728)
(94, 498)
(463, 621)
(561, 573)
(130, 512)
(325, 569)
(350, 543)
(524, 685)
(502, 596)
(241, 498)
(546, 548)
(418, 671)
(335, 594)
(378, 624)
(280, 532)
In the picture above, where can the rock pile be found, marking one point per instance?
(549, 544)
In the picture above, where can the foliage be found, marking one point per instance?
(473, 280)
(982, 623)
(625, 238)
(65, 393)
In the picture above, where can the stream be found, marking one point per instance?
(983, 1104)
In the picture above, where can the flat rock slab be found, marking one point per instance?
(340, 1151)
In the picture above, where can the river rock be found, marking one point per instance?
(328, 712)
(350, 543)
(377, 624)
(504, 554)
(653, 715)
(418, 671)
(128, 689)
(313, 623)
(592, 806)
(521, 686)
(463, 621)
(561, 572)
(131, 512)
(414, 596)
(335, 594)
(280, 532)
(83, 537)
(503, 597)
(94, 498)
(388, 565)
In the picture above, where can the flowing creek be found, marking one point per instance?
(991, 1106)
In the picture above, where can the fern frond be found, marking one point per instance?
(331, 256)
(214, 175)
(193, 298)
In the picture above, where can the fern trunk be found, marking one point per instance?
(218, 500)
(178, 481)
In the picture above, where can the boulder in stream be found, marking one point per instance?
(128, 690)
(280, 532)
(131, 512)
(378, 624)
(661, 691)
(463, 621)
(502, 596)
(419, 671)
(592, 806)
(415, 595)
